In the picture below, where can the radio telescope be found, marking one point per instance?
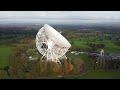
(51, 44)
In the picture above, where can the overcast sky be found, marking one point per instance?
(58, 16)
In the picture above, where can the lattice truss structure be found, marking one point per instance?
(48, 46)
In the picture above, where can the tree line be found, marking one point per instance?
(21, 67)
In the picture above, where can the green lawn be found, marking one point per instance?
(4, 55)
(101, 75)
(111, 74)
(110, 47)
(80, 44)
(96, 74)
(33, 53)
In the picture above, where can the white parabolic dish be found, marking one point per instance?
(51, 43)
(56, 36)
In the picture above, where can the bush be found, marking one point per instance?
(47, 68)
(78, 66)
(3, 74)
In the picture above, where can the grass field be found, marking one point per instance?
(4, 55)
(101, 75)
(80, 44)
(110, 47)
(111, 74)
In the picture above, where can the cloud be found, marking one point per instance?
(61, 15)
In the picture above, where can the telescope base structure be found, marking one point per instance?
(55, 60)
(50, 56)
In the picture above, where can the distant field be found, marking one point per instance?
(109, 46)
(80, 44)
(4, 55)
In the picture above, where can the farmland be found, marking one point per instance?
(4, 56)
(81, 43)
